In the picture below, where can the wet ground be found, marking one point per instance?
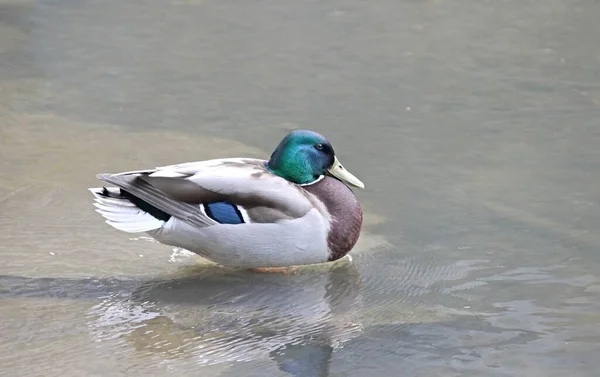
(474, 126)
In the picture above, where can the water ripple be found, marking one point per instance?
(216, 315)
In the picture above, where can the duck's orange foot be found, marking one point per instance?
(280, 270)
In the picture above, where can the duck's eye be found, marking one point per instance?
(319, 146)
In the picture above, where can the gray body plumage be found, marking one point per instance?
(284, 224)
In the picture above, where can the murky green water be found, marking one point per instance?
(475, 126)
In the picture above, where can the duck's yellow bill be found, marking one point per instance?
(338, 171)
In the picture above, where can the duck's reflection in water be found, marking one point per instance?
(217, 315)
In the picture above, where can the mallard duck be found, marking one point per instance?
(294, 209)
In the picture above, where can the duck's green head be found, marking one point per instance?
(304, 156)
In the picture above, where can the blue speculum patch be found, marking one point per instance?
(224, 213)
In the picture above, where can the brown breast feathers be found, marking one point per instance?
(345, 211)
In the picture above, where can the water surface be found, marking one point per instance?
(474, 126)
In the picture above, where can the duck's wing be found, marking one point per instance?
(216, 191)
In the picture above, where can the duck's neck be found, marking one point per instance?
(345, 211)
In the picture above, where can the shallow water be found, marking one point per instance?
(474, 126)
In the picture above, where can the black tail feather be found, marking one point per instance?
(141, 204)
(145, 206)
